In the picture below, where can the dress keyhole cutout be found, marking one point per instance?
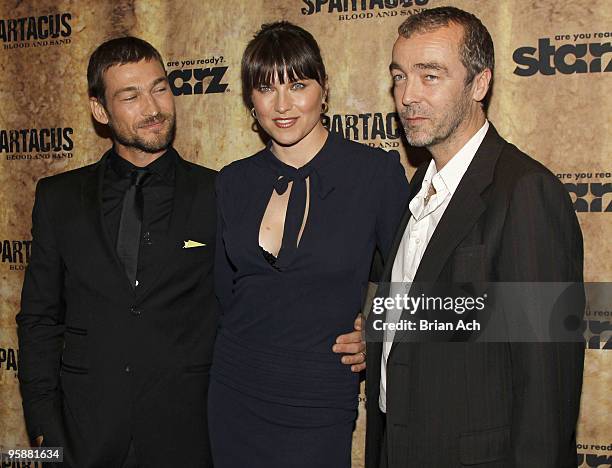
(273, 221)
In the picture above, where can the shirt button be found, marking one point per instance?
(418, 241)
(135, 311)
(128, 369)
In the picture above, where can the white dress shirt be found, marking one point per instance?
(425, 217)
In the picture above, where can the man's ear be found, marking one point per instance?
(481, 85)
(98, 111)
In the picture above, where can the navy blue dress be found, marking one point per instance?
(279, 397)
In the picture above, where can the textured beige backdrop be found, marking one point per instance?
(562, 119)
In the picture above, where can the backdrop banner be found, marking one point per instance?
(553, 67)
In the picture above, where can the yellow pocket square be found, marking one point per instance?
(190, 244)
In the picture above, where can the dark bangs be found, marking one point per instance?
(280, 48)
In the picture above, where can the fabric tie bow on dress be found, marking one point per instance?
(296, 206)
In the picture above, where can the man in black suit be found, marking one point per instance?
(480, 211)
(118, 314)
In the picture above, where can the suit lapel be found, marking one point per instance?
(91, 191)
(182, 206)
(464, 209)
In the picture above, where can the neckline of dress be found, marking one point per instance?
(317, 161)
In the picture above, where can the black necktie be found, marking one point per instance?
(128, 238)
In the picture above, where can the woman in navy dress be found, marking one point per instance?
(299, 223)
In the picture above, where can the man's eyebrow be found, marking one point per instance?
(430, 66)
(394, 66)
(125, 90)
(159, 80)
(135, 88)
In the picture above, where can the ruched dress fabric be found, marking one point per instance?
(279, 397)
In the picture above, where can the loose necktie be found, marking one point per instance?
(130, 223)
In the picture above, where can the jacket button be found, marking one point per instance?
(128, 369)
(135, 311)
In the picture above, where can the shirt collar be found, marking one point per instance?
(447, 180)
(164, 166)
(454, 170)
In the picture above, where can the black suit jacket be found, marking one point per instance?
(101, 364)
(486, 404)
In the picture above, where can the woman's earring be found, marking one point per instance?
(325, 108)
(255, 123)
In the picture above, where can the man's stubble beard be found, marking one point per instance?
(157, 143)
(445, 128)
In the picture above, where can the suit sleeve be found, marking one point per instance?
(224, 271)
(541, 242)
(393, 202)
(40, 327)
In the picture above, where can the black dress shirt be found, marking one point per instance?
(158, 196)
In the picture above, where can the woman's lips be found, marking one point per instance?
(285, 123)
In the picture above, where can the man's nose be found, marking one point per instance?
(411, 92)
(151, 106)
